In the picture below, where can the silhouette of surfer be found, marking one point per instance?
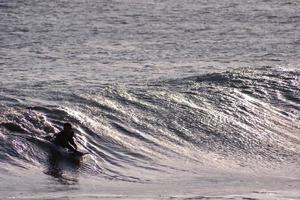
(65, 138)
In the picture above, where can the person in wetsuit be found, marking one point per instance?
(65, 138)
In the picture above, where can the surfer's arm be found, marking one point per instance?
(72, 142)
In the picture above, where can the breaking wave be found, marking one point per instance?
(234, 119)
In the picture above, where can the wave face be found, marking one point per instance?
(241, 120)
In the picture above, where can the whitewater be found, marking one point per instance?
(172, 99)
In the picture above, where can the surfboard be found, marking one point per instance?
(67, 153)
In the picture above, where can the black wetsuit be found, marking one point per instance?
(65, 140)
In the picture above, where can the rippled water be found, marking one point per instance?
(137, 40)
(172, 99)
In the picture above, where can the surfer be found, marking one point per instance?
(65, 138)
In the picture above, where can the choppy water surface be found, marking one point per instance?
(173, 99)
(138, 39)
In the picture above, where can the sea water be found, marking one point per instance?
(172, 99)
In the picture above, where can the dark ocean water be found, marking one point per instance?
(172, 99)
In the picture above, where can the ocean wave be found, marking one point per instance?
(236, 118)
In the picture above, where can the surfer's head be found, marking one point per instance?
(67, 126)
